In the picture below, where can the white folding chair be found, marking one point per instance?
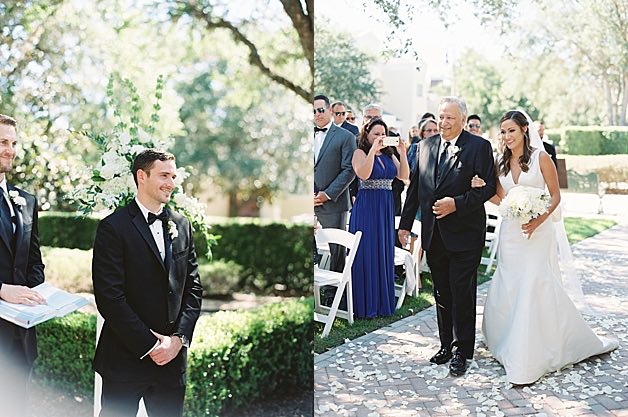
(491, 242)
(340, 280)
(407, 259)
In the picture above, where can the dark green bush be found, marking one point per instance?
(276, 257)
(66, 348)
(238, 357)
(594, 140)
(67, 230)
(235, 358)
(220, 277)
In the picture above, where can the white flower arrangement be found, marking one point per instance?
(18, 200)
(524, 203)
(453, 151)
(112, 183)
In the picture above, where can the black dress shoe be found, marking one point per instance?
(458, 365)
(441, 357)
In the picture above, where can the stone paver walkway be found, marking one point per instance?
(387, 372)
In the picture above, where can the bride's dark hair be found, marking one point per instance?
(524, 160)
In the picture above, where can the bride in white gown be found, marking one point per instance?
(531, 326)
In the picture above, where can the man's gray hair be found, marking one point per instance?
(458, 102)
(372, 106)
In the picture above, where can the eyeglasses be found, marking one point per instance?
(340, 113)
(474, 126)
(321, 110)
(351, 119)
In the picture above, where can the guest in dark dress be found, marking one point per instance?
(373, 214)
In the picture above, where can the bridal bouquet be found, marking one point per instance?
(111, 182)
(524, 203)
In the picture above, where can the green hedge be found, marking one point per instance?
(594, 140)
(235, 358)
(66, 348)
(67, 230)
(276, 258)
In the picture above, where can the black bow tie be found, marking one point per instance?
(163, 216)
(319, 129)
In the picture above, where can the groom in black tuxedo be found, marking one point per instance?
(21, 269)
(453, 224)
(148, 290)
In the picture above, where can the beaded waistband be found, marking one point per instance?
(384, 184)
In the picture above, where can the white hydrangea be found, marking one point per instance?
(524, 203)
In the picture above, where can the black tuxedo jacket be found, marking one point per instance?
(551, 150)
(135, 293)
(465, 228)
(21, 267)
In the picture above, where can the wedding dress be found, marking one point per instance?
(530, 325)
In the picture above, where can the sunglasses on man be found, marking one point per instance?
(340, 113)
(320, 110)
(474, 126)
(351, 119)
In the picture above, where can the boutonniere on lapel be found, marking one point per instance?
(18, 200)
(453, 151)
(172, 230)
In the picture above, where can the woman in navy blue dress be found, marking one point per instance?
(373, 214)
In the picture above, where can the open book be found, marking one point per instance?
(60, 303)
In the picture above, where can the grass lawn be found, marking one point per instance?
(577, 230)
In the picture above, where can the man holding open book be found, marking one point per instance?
(21, 269)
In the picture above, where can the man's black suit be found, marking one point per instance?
(551, 150)
(454, 243)
(20, 264)
(137, 292)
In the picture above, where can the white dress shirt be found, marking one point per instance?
(5, 190)
(319, 139)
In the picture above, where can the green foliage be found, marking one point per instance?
(594, 140)
(67, 230)
(342, 71)
(235, 358)
(275, 257)
(220, 277)
(244, 136)
(66, 349)
(270, 257)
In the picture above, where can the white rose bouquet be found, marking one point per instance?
(524, 203)
(112, 184)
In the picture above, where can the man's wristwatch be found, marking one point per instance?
(184, 340)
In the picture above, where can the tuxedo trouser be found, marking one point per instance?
(455, 292)
(337, 253)
(15, 373)
(121, 399)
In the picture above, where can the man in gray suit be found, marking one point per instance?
(333, 172)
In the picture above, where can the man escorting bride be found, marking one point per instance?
(531, 326)
(453, 225)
